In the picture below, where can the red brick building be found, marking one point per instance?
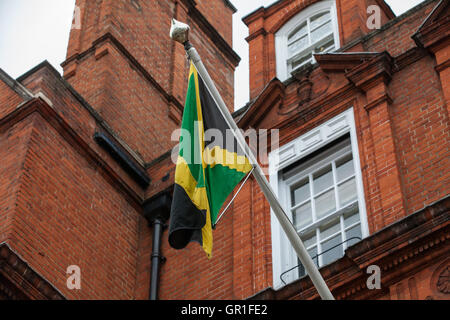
(362, 168)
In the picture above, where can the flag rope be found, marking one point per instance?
(234, 197)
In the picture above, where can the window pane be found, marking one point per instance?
(330, 229)
(300, 192)
(347, 192)
(301, 269)
(298, 45)
(326, 47)
(299, 32)
(323, 179)
(313, 253)
(333, 254)
(351, 219)
(353, 232)
(345, 167)
(301, 61)
(325, 204)
(320, 19)
(310, 240)
(303, 216)
(321, 32)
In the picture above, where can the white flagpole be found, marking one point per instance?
(179, 32)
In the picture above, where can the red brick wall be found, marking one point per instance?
(65, 201)
(132, 82)
(67, 214)
(218, 13)
(420, 285)
(422, 134)
(397, 38)
(9, 99)
(188, 274)
(418, 152)
(419, 116)
(79, 118)
(264, 23)
(67, 210)
(418, 123)
(13, 149)
(353, 16)
(252, 247)
(136, 111)
(140, 87)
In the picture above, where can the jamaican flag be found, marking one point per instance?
(210, 165)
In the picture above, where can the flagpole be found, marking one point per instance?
(179, 33)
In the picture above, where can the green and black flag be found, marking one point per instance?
(206, 172)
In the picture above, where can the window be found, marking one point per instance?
(318, 180)
(314, 30)
(323, 200)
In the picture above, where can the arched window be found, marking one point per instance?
(313, 30)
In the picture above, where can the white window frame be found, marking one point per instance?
(281, 36)
(283, 255)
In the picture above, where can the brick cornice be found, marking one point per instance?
(383, 98)
(101, 47)
(386, 8)
(98, 118)
(365, 68)
(24, 280)
(408, 58)
(230, 5)
(47, 112)
(256, 34)
(391, 248)
(15, 86)
(270, 97)
(434, 35)
(444, 65)
(407, 230)
(371, 72)
(226, 2)
(265, 12)
(211, 33)
(346, 61)
(255, 15)
(343, 61)
(345, 97)
(436, 27)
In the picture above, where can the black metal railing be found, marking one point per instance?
(316, 257)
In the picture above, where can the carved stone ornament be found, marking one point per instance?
(305, 92)
(443, 283)
(302, 75)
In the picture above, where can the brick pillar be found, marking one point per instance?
(388, 171)
(257, 61)
(372, 78)
(75, 32)
(433, 36)
(442, 55)
(124, 64)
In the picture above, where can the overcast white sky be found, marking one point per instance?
(32, 31)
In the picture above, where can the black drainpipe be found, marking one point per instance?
(157, 212)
